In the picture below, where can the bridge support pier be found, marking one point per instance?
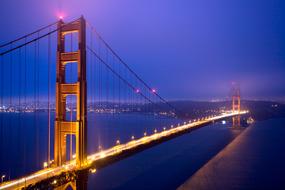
(64, 89)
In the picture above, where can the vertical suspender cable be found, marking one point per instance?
(38, 89)
(10, 101)
(25, 101)
(2, 107)
(19, 101)
(34, 95)
(48, 78)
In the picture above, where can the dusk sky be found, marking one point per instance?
(187, 49)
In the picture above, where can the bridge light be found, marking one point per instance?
(164, 128)
(45, 164)
(100, 147)
(2, 178)
(92, 170)
(144, 134)
(74, 156)
(133, 137)
(54, 182)
(137, 90)
(189, 121)
(153, 90)
(171, 126)
(118, 142)
(102, 154)
(224, 122)
(155, 131)
(60, 17)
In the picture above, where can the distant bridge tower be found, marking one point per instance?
(63, 89)
(236, 104)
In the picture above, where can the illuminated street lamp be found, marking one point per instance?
(92, 170)
(45, 164)
(2, 178)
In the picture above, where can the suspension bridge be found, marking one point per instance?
(61, 77)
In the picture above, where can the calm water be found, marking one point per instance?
(23, 137)
(167, 165)
(254, 160)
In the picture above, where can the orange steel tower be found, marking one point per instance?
(236, 105)
(63, 89)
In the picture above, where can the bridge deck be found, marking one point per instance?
(111, 152)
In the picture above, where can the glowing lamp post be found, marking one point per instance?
(2, 178)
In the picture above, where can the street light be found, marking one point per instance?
(2, 178)
(45, 164)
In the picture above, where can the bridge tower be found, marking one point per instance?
(236, 104)
(63, 127)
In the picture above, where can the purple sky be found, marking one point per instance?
(187, 49)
